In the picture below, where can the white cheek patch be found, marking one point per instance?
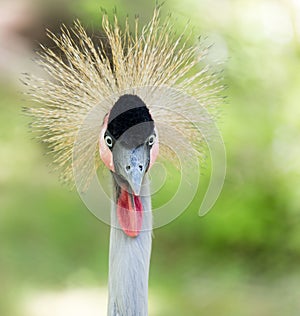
(105, 152)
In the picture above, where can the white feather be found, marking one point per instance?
(129, 260)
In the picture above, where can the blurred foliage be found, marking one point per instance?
(243, 257)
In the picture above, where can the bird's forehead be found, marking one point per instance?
(130, 121)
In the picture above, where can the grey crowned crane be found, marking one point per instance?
(128, 126)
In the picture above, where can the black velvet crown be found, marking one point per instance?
(130, 121)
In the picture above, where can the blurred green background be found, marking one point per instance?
(243, 257)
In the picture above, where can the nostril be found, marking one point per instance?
(141, 167)
(127, 168)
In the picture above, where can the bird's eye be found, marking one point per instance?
(151, 140)
(108, 141)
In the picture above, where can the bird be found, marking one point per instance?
(138, 81)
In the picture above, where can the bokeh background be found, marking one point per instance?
(243, 257)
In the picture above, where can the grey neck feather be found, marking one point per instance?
(129, 260)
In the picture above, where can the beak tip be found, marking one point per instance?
(135, 181)
(136, 188)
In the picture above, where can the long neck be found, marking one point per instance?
(129, 260)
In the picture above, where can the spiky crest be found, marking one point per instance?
(83, 75)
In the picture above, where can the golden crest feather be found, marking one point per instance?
(82, 76)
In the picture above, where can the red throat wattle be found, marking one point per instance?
(130, 213)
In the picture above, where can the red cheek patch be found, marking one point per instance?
(154, 151)
(105, 152)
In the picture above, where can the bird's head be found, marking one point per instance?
(128, 147)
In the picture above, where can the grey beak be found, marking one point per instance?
(135, 179)
(131, 164)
